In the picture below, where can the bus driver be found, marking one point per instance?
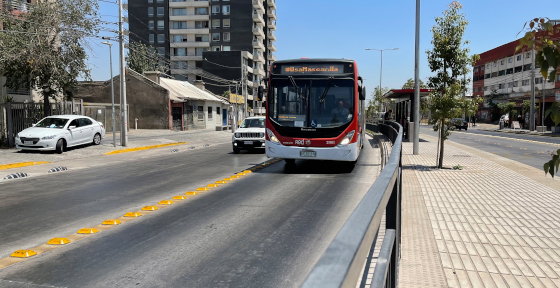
(340, 112)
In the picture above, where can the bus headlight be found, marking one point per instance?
(346, 140)
(272, 137)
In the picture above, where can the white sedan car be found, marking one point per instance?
(60, 132)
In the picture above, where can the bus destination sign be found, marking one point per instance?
(312, 69)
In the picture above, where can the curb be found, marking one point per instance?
(522, 133)
(21, 164)
(144, 148)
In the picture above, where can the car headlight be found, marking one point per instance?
(237, 135)
(272, 137)
(346, 140)
(48, 137)
(17, 135)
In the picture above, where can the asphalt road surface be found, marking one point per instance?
(529, 153)
(267, 229)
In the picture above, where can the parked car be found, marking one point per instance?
(505, 119)
(60, 132)
(250, 134)
(460, 123)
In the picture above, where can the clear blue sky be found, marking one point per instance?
(343, 29)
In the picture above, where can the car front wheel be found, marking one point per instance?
(97, 139)
(60, 146)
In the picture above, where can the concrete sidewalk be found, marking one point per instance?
(137, 138)
(494, 224)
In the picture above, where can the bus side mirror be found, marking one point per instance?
(260, 93)
(362, 91)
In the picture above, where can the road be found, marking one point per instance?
(529, 153)
(264, 230)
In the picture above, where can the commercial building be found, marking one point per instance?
(506, 74)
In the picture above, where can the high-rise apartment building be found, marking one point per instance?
(181, 30)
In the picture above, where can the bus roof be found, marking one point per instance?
(314, 60)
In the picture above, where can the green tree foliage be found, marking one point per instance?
(507, 108)
(449, 60)
(376, 103)
(142, 58)
(470, 105)
(45, 48)
(410, 84)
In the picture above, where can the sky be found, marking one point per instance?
(344, 29)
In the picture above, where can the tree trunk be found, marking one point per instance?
(47, 104)
(442, 135)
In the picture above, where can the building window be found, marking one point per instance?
(518, 69)
(526, 67)
(160, 11)
(215, 36)
(159, 1)
(179, 11)
(525, 82)
(494, 74)
(198, 52)
(528, 55)
(487, 76)
(151, 24)
(150, 1)
(476, 69)
(225, 9)
(482, 68)
(502, 62)
(216, 48)
(475, 78)
(485, 88)
(215, 23)
(501, 86)
(201, 11)
(201, 24)
(180, 25)
(215, 9)
(200, 113)
(179, 65)
(161, 51)
(515, 83)
(209, 112)
(558, 78)
(226, 37)
(488, 66)
(160, 25)
(502, 73)
(151, 38)
(226, 23)
(510, 84)
(518, 57)
(160, 38)
(179, 51)
(178, 38)
(495, 64)
(510, 60)
(226, 48)
(150, 11)
(539, 80)
(201, 38)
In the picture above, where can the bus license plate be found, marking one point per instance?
(248, 142)
(307, 153)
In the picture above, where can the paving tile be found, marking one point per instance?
(463, 279)
(512, 281)
(475, 280)
(451, 277)
(524, 268)
(490, 265)
(535, 282)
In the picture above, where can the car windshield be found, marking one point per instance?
(308, 103)
(252, 123)
(57, 123)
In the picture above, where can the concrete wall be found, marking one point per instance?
(147, 101)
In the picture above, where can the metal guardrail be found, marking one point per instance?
(342, 263)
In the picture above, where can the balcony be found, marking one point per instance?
(249, 83)
(258, 58)
(258, 45)
(271, 25)
(271, 14)
(258, 17)
(189, 3)
(179, 71)
(190, 31)
(186, 58)
(271, 47)
(249, 69)
(271, 3)
(258, 71)
(190, 18)
(189, 44)
(271, 57)
(258, 4)
(258, 31)
(271, 36)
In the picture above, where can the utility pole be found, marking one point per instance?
(112, 90)
(124, 110)
(543, 101)
(416, 136)
(243, 85)
(532, 109)
(381, 73)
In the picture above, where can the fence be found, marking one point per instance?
(343, 262)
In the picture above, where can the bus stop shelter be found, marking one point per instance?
(404, 107)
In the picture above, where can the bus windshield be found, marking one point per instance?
(321, 103)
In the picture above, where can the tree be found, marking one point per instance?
(470, 106)
(142, 58)
(449, 60)
(45, 48)
(410, 84)
(507, 108)
(376, 103)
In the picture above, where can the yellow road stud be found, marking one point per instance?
(234, 177)
(132, 214)
(202, 189)
(23, 253)
(212, 185)
(149, 208)
(58, 241)
(228, 179)
(191, 193)
(87, 231)
(241, 174)
(247, 172)
(165, 202)
(221, 182)
(111, 222)
(180, 197)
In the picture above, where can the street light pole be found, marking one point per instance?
(112, 92)
(381, 71)
(416, 136)
(124, 112)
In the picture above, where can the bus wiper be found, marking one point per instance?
(295, 86)
(322, 99)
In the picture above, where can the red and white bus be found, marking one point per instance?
(315, 110)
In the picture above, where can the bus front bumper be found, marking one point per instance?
(346, 153)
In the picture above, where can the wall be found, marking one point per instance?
(147, 101)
